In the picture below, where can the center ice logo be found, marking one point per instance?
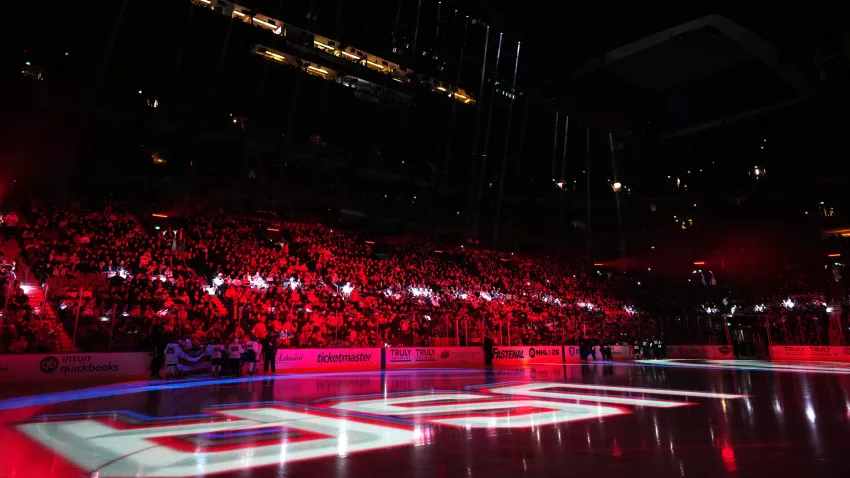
(274, 434)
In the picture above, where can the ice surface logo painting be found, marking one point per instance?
(116, 444)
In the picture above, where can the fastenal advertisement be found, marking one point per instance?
(528, 354)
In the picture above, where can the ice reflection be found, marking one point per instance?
(811, 415)
(728, 456)
(342, 440)
(655, 427)
(422, 435)
(847, 404)
(616, 452)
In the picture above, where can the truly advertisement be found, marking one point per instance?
(328, 359)
(810, 352)
(411, 355)
(434, 356)
(74, 366)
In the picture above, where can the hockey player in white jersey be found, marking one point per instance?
(234, 357)
(252, 351)
(215, 352)
(172, 360)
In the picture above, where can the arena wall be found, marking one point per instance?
(43, 367)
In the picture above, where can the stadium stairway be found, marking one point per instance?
(46, 312)
(35, 294)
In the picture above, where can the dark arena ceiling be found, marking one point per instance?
(692, 76)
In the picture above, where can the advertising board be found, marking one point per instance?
(41, 367)
(544, 354)
(810, 352)
(400, 357)
(290, 360)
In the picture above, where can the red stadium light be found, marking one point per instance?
(833, 255)
(156, 214)
(370, 242)
(273, 229)
(599, 264)
(699, 263)
(437, 251)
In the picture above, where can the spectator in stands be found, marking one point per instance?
(20, 346)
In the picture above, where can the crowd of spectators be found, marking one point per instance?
(211, 275)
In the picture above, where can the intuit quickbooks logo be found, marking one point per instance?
(74, 364)
(48, 364)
